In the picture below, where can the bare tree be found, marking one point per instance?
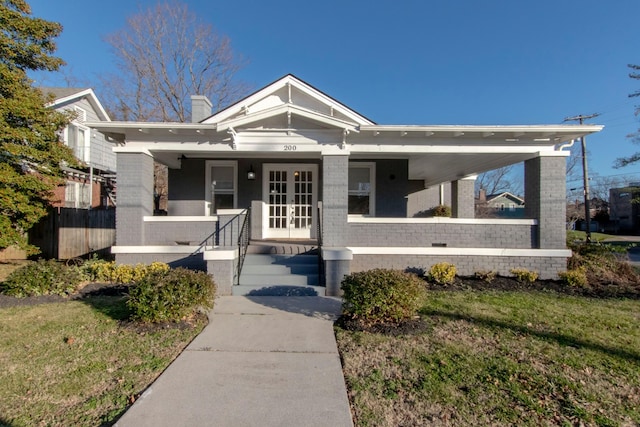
(165, 54)
(500, 180)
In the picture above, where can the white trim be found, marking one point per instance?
(132, 150)
(560, 253)
(216, 255)
(285, 109)
(86, 140)
(93, 100)
(289, 232)
(175, 249)
(207, 182)
(359, 219)
(179, 218)
(554, 154)
(372, 182)
(231, 211)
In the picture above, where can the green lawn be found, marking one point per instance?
(76, 363)
(574, 235)
(500, 358)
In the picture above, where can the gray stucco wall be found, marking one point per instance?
(393, 187)
(187, 186)
(187, 189)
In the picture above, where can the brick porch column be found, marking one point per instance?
(462, 197)
(134, 197)
(335, 203)
(545, 199)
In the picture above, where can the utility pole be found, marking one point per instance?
(585, 175)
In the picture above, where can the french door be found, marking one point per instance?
(290, 195)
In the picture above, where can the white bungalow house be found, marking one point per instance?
(314, 171)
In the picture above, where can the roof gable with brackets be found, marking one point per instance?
(288, 103)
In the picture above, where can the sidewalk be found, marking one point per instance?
(261, 361)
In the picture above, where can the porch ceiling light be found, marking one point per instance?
(251, 175)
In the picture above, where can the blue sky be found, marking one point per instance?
(416, 62)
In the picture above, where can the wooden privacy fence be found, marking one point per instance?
(69, 233)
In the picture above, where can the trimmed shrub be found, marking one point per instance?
(523, 275)
(442, 273)
(382, 296)
(485, 275)
(576, 278)
(109, 271)
(44, 277)
(169, 296)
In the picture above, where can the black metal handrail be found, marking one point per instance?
(243, 242)
(319, 238)
(223, 234)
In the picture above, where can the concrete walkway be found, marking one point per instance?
(261, 361)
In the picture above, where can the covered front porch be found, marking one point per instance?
(289, 162)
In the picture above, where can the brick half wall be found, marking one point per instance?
(464, 234)
(547, 267)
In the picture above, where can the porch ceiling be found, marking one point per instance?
(436, 168)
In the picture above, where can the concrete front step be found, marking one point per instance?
(277, 259)
(278, 279)
(279, 290)
(282, 247)
(280, 269)
(279, 275)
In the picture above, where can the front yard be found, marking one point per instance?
(500, 358)
(79, 362)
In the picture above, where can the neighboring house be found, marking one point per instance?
(503, 205)
(91, 185)
(624, 212)
(80, 225)
(312, 169)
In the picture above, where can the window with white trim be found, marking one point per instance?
(77, 195)
(77, 138)
(222, 184)
(362, 188)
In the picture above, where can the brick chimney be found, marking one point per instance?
(200, 108)
(482, 195)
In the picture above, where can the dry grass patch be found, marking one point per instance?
(500, 358)
(77, 362)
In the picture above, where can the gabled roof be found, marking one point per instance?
(290, 91)
(67, 94)
(506, 195)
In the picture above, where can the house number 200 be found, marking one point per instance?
(290, 148)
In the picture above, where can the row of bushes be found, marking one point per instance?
(156, 292)
(393, 296)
